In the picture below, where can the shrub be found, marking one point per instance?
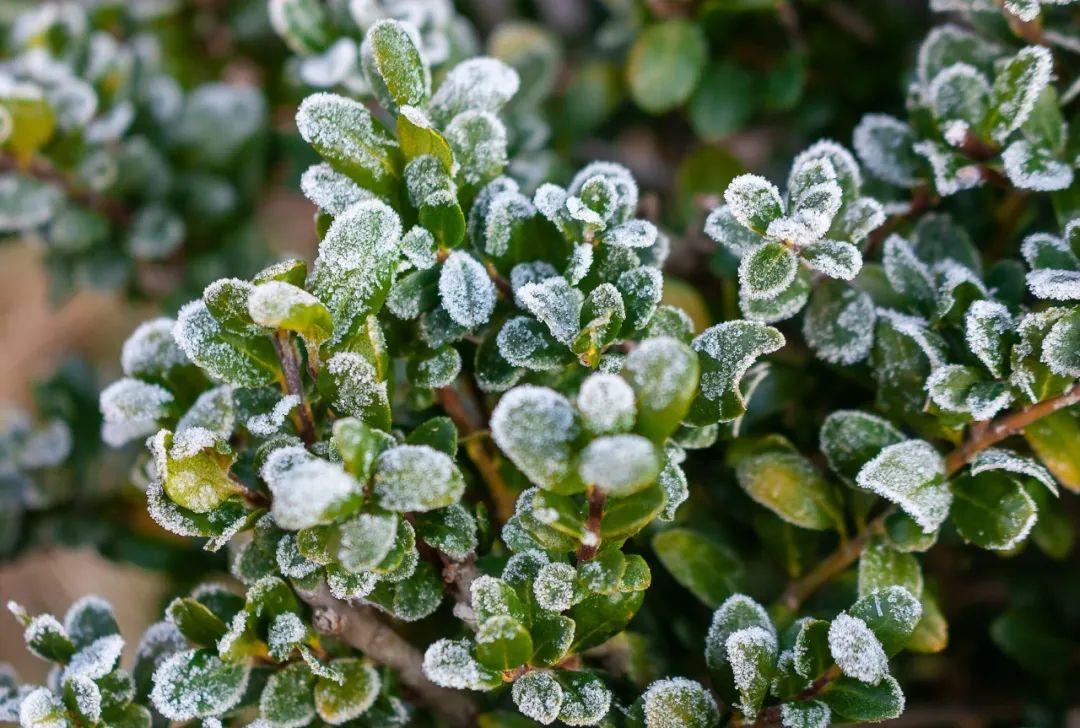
(451, 459)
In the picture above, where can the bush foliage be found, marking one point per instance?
(483, 459)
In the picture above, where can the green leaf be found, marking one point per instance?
(502, 643)
(839, 323)
(89, 619)
(1018, 82)
(891, 614)
(442, 215)
(664, 375)
(1053, 439)
(394, 66)
(752, 655)
(859, 702)
(600, 617)
(791, 487)
(623, 517)
(586, 699)
(193, 469)
(812, 657)
(726, 351)
(710, 571)
(912, 475)
(337, 703)
(280, 305)
(416, 478)
(552, 636)
(849, 439)
(287, 698)
(619, 465)
(419, 137)
(736, 613)
(345, 134)
(766, 270)
(366, 540)
(880, 566)
(992, 510)
(538, 696)
(198, 684)
(665, 64)
(359, 446)
(32, 122)
(302, 24)
(932, 633)
(197, 623)
(534, 427)
(677, 703)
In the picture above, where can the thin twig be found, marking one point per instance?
(294, 384)
(361, 628)
(983, 435)
(591, 543)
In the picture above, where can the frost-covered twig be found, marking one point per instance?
(982, 438)
(361, 628)
(294, 384)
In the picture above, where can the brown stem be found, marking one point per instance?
(591, 543)
(44, 171)
(294, 384)
(771, 715)
(983, 435)
(1029, 31)
(252, 496)
(466, 418)
(361, 628)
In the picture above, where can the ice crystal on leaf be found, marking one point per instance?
(910, 474)
(857, 652)
(306, 489)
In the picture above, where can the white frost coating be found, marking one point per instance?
(151, 349)
(206, 698)
(267, 424)
(419, 247)
(365, 231)
(625, 186)
(842, 333)
(740, 645)
(1058, 285)
(753, 200)
(805, 714)
(845, 168)
(450, 663)
(910, 474)
(857, 651)
(761, 276)
(478, 140)
(1000, 459)
(480, 84)
(833, 258)
(304, 487)
(538, 696)
(212, 411)
(556, 304)
(286, 631)
(554, 586)
(722, 227)
(1059, 350)
(732, 363)
(606, 404)
(505, 209)
(358, 384)
(586, 703)
(272, 302)
(351, 586)
(42, 709)
(1014, 107)
(131, 408)
(951, 174)
(916, 329)
(881, 141)
(954, 90)
(39, 627)
(985, 325)
(737, 612)
(290, 561)
(97, 659)
(416, 478)
(465, 290)
(533, 426)
(1032, 168)
(619, 465)
(87, 697)
(197, 333)
(665, 701)
(91, 602)
(330, 190)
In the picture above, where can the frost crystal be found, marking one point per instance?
(42, 709)
(884, 144)
(187, 687)
(556, 304)
(97, 659)
(1000, 459)
(910, 474)
(1034, 168)
(805, 714)
(606, 403)
(450, 663)
(753, 201)
(358, 384)
(466, 291)
(481, 84)
(198, 334)
(619, 465)
(857, 651)
(267, 424)
(416, 478)
(538, 696)
(151, 349)
(985, 325)
(305, 488)
(131, 409)
(737, 612)
(669, 702)
(554, 586)
(534, 427)
(742, 647)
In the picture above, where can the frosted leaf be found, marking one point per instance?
(641, 289)
(419, 247)
(753, 201)
(87, 697)
(285, 632)
(556, 304)
(677, 702)
(525, 342)
(466, 291)
(907, 275)
(1042, 250)
(131, 409)
(267, 424)
(844, 167)
(885, 147)
(805, 714)
(450, 663)
(306, 490)
(632, 234)
(42, 709)
(416, 478)
(212, 411)
(833, 258)
(766, 270)
(161, 640)
(290, 561)
(816, 207)
(1000, 459)
(785, 305)
(914, 328)
(1035, 168)
(333, 66)
(151, 349)
(793, 231)
(986, 324)
(196, 684)
(961, 93)
(344, 132)
(733, 346)
(722, 227)
(1017, 85)
(358, 385)
(331, 191)
(737, 612)
(1061, 346)
(344, 585)
(46, 446)
(619, 465)
(43, 628)
(1059, 285)
(550, 200)
(390, 55)
(839, 324)
(523, 274)
(478, 140)
(97, 659)
(910, 474)
(554, 586)
(857, 651)
(480, 84)
(859, 218)
(156, 232)
(26, 203)
(535, 427)
(581, 260)
(597, 204)
(625, 187)
(952, 172)
(606, 404)
(747, 650)
(437, 370)
(538, 696)
(198, 334)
